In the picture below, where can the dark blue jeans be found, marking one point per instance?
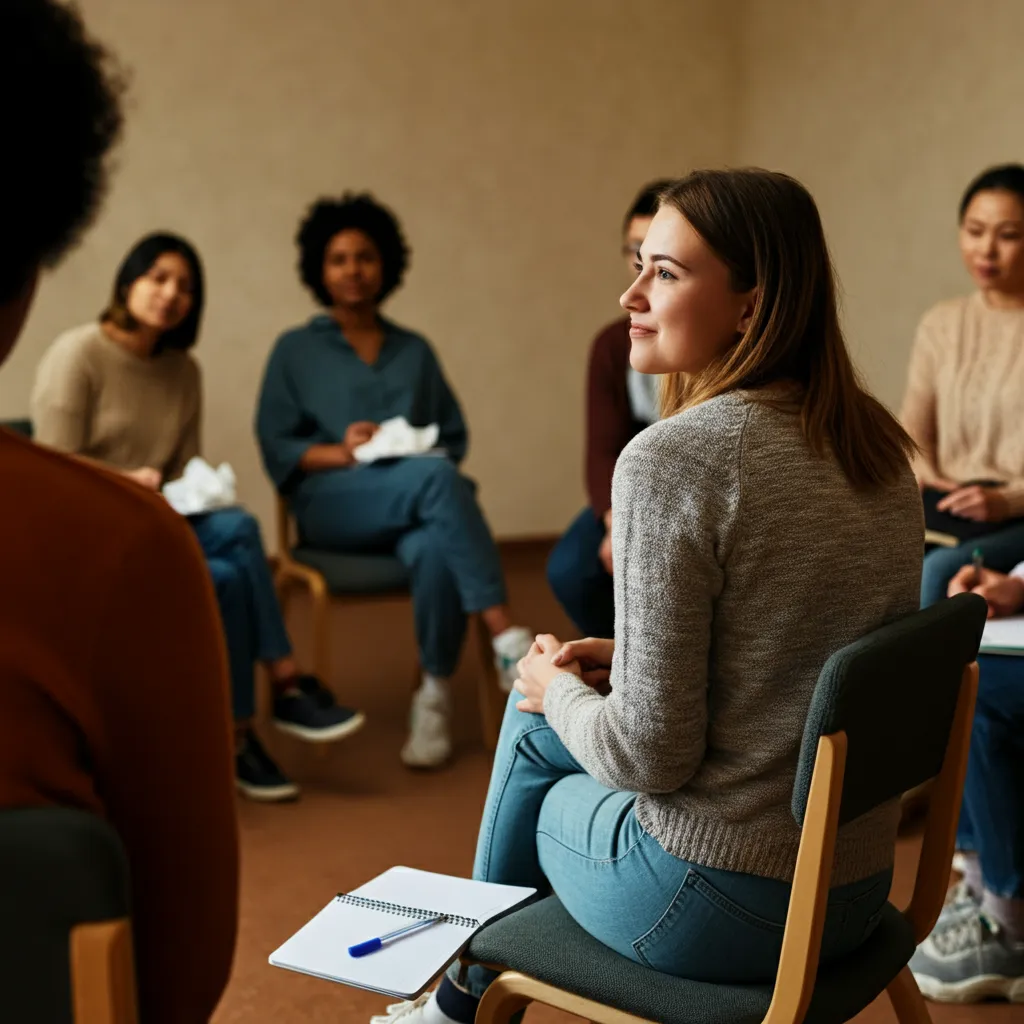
(992, 816)
(254, 629)
(426, 513)
(1001, 550)
(578, 578)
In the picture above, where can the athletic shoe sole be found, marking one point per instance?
(971, 990)
(335, 732)
(431, 761)
(268, 794)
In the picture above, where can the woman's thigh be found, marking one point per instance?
(684, 919)
(226, 531)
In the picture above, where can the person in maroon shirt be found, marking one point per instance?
(113, 670)
(620, 403)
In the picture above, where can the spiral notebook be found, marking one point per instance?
(406, 967)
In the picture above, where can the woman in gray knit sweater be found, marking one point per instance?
(770, 518)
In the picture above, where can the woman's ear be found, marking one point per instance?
(747, 311)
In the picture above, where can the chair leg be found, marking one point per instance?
(320, 602)
(487, 688)
(501, 1002)
(907, 1000)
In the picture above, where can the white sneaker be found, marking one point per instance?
(510, 648)
(410, 1012)
(429, 743)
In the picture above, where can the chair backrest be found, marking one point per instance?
(19, 426)
(889, 712)
(894, 694)
(65, 937)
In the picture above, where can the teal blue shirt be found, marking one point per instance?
(315, 386)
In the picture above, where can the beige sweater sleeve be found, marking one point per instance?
(918, 413)
(62, 398)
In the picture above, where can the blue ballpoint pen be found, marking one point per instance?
(372, 945)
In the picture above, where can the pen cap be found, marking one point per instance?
(362, 948)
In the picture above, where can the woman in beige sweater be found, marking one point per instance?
(125, 392)
(965, 391)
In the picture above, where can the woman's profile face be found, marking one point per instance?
(683, 310)
(162, 297)
(353, 270)
(992, 241)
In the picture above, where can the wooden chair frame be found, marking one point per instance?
(103, 973)
(512, 991)
(288, 573)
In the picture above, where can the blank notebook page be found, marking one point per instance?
(407, 966)
(1005, 635)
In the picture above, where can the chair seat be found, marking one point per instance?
(353, 573)
(545, 943)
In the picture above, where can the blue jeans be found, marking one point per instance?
(992, 815)
(254, 629)
(425, 512)
(578, 577)
(1001, 550)
(547, 823)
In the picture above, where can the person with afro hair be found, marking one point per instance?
(327, 388)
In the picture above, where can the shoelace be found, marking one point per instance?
(399, 1010)
(963, 931)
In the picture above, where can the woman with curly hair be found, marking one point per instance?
(328, 385)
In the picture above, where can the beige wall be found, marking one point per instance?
(885, 110)
(509, 138)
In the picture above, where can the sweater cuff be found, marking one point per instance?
(1013, 492)
(562, 702)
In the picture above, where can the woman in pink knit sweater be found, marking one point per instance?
(965, 392)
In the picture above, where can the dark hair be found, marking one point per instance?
(61, 109)
(766, 228)
(328, 217)
(138, 263)
(1004, 178)
(646, 202)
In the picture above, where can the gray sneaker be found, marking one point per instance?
(968, 958)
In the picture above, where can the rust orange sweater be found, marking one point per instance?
(114, 699)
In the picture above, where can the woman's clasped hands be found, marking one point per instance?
(590, 660)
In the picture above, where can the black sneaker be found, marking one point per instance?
(308, 710)
(256, 775)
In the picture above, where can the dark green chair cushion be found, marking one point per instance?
(544, 942)
(58, 868)
(894, 693)
(355, 573)
(22, 426)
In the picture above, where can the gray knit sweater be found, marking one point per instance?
(742, 561)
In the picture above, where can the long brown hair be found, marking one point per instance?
(765, 227)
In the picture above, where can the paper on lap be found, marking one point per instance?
(201, 488)
(396, 439)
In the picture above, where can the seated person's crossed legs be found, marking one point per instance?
(426, 512)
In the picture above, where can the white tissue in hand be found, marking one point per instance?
(397, 438)
(201, 488)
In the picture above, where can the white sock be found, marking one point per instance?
(512, 639)
(434, 686)
(433, 1014)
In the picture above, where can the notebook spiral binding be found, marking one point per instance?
(394, 908)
